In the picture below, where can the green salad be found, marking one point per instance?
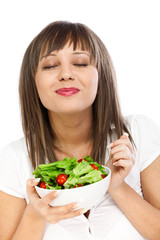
(69, 173)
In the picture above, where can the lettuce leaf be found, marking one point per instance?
(82, 168)
(78, 173)
(91, 177)
(72, 181)
(66, 163)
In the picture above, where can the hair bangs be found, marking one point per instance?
(55, 38)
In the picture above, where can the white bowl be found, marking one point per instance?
(86, 196)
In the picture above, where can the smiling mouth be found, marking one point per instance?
(67, 91)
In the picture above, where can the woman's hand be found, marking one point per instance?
(120, 161)
(41, 209)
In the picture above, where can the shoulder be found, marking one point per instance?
(146, 136)
(139, 119)
(142, 125)
(19, 143)
(15, 153)
(16, 147)
(15, 169)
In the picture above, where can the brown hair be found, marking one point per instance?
(106, 109)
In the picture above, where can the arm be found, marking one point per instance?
(144, 214)
(14, 215)
(11, 209)
(20, 221)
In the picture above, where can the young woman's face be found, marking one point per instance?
(67, 81)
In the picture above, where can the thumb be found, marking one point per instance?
(31, 183)
(124, 136)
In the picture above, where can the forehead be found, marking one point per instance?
(68, 49)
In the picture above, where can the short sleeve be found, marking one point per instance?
(13, 171)
(146, 135)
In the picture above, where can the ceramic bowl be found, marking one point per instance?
(86, 196)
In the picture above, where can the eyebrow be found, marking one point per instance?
(74, 53)
(45, 56)
(77, 53)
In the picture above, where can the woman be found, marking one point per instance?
(70, 107)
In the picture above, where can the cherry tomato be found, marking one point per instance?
(78, 185)
(61, 179)
(94, 166)
(102, 176)
(80, 160)
(43, 185)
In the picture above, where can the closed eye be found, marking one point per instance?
(49, 67)
(81, 65)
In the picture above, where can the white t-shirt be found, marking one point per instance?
(106, 221)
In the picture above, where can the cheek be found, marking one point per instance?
(93, 85)
(44, 82)
(39, 83)
(42, 89)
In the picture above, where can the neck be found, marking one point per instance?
(72, 130)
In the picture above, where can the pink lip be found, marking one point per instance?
(67, 91)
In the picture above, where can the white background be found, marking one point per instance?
(129, 28)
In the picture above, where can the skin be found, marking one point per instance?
(67, 68)
(144, 214)
(70, 116)
(71, 119)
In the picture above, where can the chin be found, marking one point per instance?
(68, 110)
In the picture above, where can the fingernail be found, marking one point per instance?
(114, 163)
(36, 180)
(110, 145)
(76, 206)
(56, 194)
(83, 211)
(126, 134)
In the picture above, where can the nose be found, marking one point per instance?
(66, 73)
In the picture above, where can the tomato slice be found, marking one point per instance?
(61, 179)
(43, 185)
(94, 166)
(102, 176)
(80, 160)
(78, 185)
